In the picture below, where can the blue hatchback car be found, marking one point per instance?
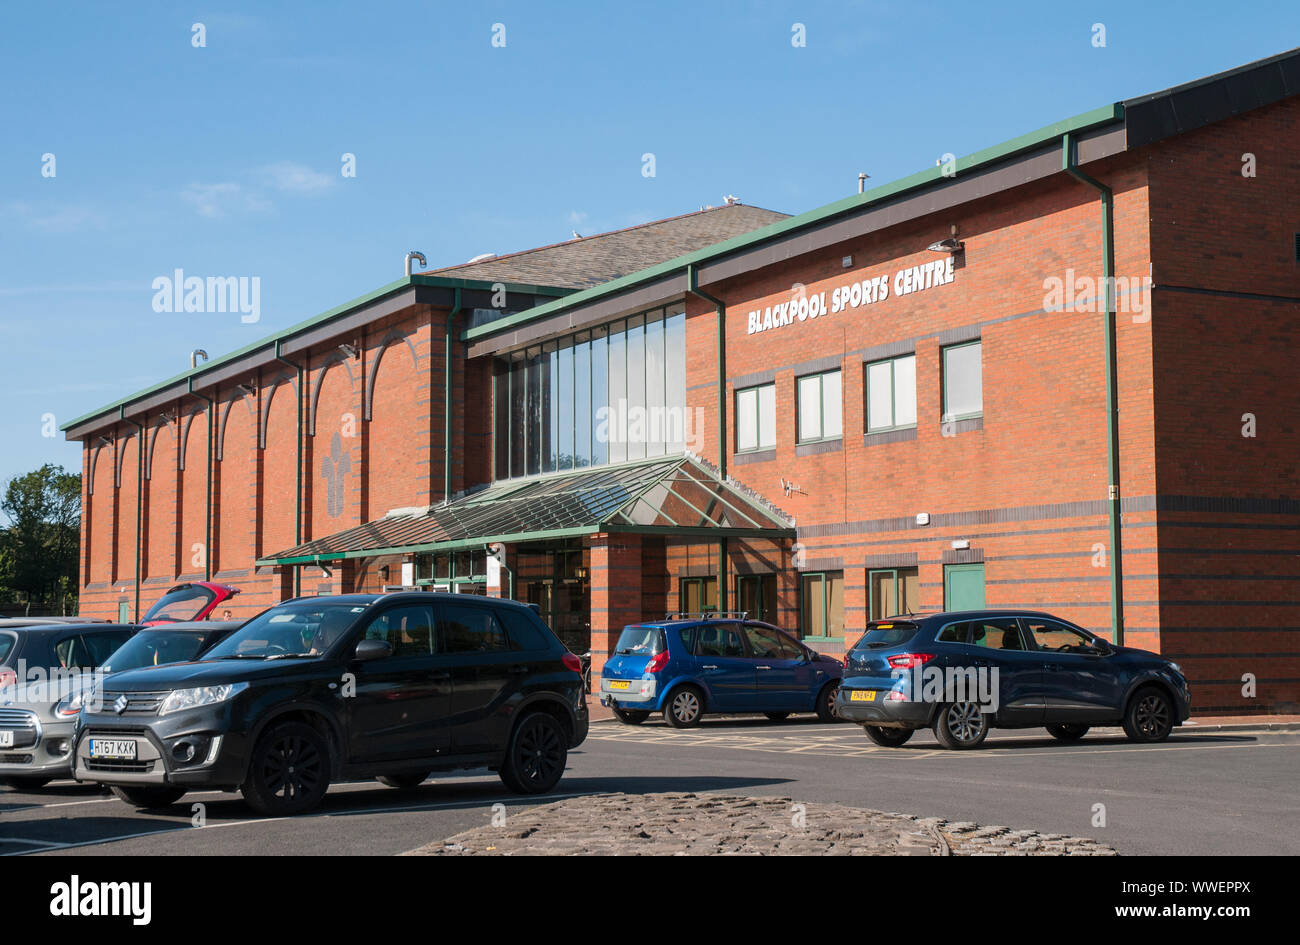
(688, 667)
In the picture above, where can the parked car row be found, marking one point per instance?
(310, 692)
(960, 674)
(319, 690)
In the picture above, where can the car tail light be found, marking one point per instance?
(572, 662)
(657, 662)
(909, 660)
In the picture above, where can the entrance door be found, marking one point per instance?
(123, 612)
(963, 587)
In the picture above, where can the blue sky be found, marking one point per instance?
(225, 160)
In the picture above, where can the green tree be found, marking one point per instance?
(39, 549)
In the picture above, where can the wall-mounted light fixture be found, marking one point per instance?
(383, 574)
(951, 245)
(922, 518)
(960, 544)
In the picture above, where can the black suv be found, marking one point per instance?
(321, 689)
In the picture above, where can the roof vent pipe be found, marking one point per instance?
(195, 355)
(415, 254)
(862, 182)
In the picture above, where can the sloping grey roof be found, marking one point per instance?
(592, 260)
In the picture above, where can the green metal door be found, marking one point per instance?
(963, 587)
(123, 612)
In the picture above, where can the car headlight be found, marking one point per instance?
(180, 699)
(1176, 668)
(71, 706)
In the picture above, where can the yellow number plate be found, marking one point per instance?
(862, 695)
(620, 685)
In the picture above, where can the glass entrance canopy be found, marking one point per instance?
(672, 497)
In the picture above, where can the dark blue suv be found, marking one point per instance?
(964, 673)
(687, 667)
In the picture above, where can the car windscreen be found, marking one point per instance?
(156, 647)
(886, 633)
(182, 603)
(640, 641)
(300, 628)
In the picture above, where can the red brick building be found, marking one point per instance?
(913, 398)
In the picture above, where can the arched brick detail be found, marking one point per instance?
(391, 338)
(334, 357)
(265, 411)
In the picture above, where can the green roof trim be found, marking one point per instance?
(1105, 115)
(269, 341)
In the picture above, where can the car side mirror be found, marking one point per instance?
(368, 650)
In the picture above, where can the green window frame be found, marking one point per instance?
(763, 398)
(817, 590)
(944, 354)
(897, 578)
(895, 421)
(703, 586)
(830, 423)
(762, 589)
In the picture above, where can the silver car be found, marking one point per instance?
(43, 668)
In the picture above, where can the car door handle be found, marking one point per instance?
(1054, 667)
(708, 666)
(763, 667)
(518, 670)
(438, 677)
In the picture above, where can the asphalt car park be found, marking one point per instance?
(1197, 793)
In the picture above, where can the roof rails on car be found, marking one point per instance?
(709, 615)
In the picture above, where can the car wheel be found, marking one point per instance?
(887, 737)
(405, 781)
(631, 716)
(826, 703)
(537, 755)
(961, 725)
(26, 784)
(1150, 716)
(290, 771)
(777, 716)
(1067, 733)
(685, 707)
(149, 798)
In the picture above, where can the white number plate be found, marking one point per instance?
(6, 738)
(122, 749)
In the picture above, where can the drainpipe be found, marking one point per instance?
(139, 498)
(720, 308)
(207, 518)
(1112, 415)
(446, 402)
(297, 495)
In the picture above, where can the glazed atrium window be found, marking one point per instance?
(606, 395)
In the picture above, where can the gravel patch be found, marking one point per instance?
(669, 824)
